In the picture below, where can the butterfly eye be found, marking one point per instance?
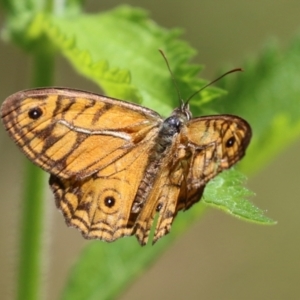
(230, 142)
(109, 201)
(35, 113)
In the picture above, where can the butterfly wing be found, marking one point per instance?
(73, 133)
(95, 149)
(215, 143)
(204, 147)
(162, 200)
(100, 206)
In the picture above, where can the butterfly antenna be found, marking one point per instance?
(212, 82)
(173, 77)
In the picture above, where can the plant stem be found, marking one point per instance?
(30, 264)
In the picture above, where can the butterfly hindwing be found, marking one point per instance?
(100, 206)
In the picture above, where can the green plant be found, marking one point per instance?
(128, 66)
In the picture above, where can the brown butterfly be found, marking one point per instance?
(115, 164)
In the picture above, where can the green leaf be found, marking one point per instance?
(226, 192)
(120, 53)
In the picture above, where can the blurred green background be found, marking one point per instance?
(220, 257)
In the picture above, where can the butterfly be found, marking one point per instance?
(114, 165)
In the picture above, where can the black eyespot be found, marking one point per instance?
(159, 207)
(35, 113)
(109, 201)
(230, 142)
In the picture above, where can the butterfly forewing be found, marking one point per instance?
(221, 140)
(73, 133)
(216, 143)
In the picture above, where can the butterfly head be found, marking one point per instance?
(183, 112)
